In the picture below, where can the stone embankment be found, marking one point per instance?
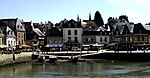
(6, 59)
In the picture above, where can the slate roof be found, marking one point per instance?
(4, 30)
(72, 24)
(133, 28)
(54, 32)
(38, 32)
(14, 24)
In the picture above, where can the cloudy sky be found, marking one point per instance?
(57, 10)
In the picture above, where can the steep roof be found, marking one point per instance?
(14, 24)
(72, 24)
(54, 32)
(38, 32)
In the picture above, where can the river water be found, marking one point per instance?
(100, 69)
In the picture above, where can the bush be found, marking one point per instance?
(17, 51)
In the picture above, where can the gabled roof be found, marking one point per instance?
(72, 24)
(138, 28)
(54, 32)
(38, 32)
(14, 24)
(101, 29)
(5, 30)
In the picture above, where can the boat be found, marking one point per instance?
(41, 58)
(73, 59)
(52, 59)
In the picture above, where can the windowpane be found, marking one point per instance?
(69, 32)
(75, 32)
(100, 39)
(75, 39)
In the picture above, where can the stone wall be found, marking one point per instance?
(6, 59)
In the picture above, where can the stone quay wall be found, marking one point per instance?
(6, 59)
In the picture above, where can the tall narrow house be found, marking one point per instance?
(18, 27)
(72, 34)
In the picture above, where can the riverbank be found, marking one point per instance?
(6, 59)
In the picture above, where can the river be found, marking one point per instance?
(100, 69)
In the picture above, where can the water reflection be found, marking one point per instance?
(77, 70)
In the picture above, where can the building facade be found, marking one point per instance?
(72, 34)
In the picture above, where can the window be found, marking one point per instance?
(69, 25)
(18, 34)
(101, 39)
(69, 32)
(75, 39)
(92, 40)
(21, 27)
(138, 38)
(69, 38)
(105, 39)
(75, 32)
(18, 26)
(19, 42)
(142, 38)
(86, 40)
(22, 42)
(8, 42)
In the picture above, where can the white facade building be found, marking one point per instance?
(10, 39)
(72, 34)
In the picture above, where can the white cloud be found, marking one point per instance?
(132, 8)
(143, 3)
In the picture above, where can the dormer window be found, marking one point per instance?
(69, 25)
(11, 32)
(18, 26)
(21, 27)
(75, 24)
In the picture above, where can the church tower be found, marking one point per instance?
(90, 16)
(78, 18)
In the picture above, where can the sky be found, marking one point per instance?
(138, 11)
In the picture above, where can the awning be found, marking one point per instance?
(54, 45)
(3, 46)
(26, 46)
(143, 44)
(112, 44)
(97, 45)
(85, 45)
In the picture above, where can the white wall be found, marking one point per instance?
(65, 34)
(9, 40)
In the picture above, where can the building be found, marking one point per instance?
(129, 36)
(19, 29)
(72, 34)
(7, 37)
(54, 38)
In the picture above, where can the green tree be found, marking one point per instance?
(98, 19)
(124, 17)
(91, 23)
(111, 22)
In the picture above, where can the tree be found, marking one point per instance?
(111, 22)
(98, 19)
(124, 17)
(91, 23)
